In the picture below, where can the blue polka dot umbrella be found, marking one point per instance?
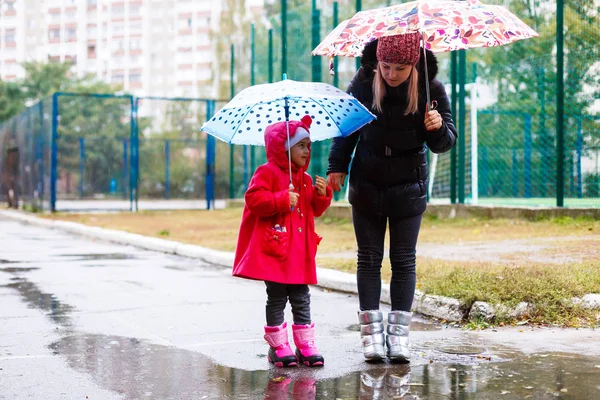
(244, 119)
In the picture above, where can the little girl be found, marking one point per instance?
(277, 241)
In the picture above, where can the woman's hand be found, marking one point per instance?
(433, 120)
(321, 186)
(335, 180)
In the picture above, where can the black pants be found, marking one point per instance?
(277, 297)
(370, 236)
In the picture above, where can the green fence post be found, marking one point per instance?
(462, 113)
(358, 8)
(270, 55)
(453, 101)
(231, 147)
(336, 78)
(252, 83)
(283, 37)
(316, 77)
(560, 105)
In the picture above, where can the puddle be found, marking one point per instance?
(462, 349)
(16, 270)
(105, 256)
(35, 298)
(148, 370)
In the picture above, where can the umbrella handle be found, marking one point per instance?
(426, 72)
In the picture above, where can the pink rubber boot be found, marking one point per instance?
(306, 351)
(280, 352)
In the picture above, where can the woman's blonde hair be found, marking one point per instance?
(413, 91)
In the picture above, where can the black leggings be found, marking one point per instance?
(277, 297)
(370, 236)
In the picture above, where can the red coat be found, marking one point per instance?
(263, 252)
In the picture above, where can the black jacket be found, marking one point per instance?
(389, 169)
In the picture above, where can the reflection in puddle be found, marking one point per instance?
(99, 256)
(35, 298)
(15, 270)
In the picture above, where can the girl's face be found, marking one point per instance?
(394, 74)
(300, 152)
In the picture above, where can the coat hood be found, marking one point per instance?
(369, 61)
(276, 138)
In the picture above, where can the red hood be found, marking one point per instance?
(275, 139)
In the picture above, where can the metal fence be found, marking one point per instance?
(527, 137)
(107, 152)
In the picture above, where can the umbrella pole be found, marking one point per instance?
(426, 72)
(287, 128)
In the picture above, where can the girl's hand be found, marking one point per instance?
(321, 186)
(293, 197)
(335, 180)
(433, 120)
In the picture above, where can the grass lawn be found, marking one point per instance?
(511, 279)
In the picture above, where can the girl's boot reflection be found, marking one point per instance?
(277, 388)
(305, 389)
(385, 384)
(371, 384)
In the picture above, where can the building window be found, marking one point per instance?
(117, 78)
(135, 77)
(117, 11)
(54, 34)
(91, 52)
(55, 17)
(9, 36)
(118, 29)
(91, 2)
(135, 44)
(134, 10)
(71, 33)
(135, 27)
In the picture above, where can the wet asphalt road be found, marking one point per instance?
(83, 319)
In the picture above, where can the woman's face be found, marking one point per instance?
(394, 74)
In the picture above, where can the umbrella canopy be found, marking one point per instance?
(243, 120)
(446, 25)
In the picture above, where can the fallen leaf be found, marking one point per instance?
(504, 392)
(565, 390)
(522, 322)
(521, 330)
(528, 387)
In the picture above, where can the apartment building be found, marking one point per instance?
(150, 47)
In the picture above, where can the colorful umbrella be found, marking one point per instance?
(446, 25)
(243, 120)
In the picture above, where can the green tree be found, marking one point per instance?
(11, 100)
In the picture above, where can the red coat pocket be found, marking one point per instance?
(276, 243)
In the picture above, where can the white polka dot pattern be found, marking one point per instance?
(243, 120)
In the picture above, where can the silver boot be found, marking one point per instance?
(372, 335)
(397, 335)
